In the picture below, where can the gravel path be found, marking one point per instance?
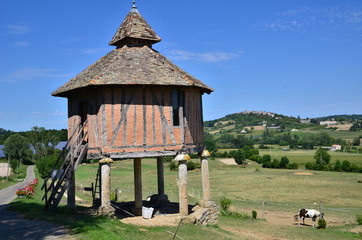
(14, 226)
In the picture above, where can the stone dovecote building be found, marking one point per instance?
(132, 103)
(137, 103)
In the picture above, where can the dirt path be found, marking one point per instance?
(228, 161)
(14, 226)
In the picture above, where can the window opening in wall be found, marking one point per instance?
(178, 102)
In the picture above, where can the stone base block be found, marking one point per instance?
(205, 214)
(106, 211)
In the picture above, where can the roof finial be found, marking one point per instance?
(134, 7)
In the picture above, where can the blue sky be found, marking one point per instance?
(300, 57)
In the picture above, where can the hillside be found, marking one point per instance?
(271, 128)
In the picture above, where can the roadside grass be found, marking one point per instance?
(15, 178)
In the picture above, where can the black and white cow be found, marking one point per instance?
(309, 213)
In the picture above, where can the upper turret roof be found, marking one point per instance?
(134, 27)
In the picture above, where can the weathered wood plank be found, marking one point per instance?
(124, 111)
(103, 117)
(144, 102)
(165, 125)
(153, 124)
(142, 154)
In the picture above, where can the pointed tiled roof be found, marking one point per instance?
(133, 62)
(134, 26)
(132, 66)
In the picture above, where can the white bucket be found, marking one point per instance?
(147, 212)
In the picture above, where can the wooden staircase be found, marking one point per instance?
(69, 159)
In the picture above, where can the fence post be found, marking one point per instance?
(262, 211)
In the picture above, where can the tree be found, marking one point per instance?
(17, 147)
(239, 156)
(46, 164)
(43, 141)
(322, 157)
(284, 161)
(356, 141)
(338, 166)
(210, 142)
(346, 166)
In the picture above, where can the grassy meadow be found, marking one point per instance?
(283, 192)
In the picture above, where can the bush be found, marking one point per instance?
(173, 166)
(346, 166)
(284, 161)
(322, 224)
(311, 166)
(359, 219)
(292, 166)
(46, 164)
(225, 203)
(275, 164)
(256, 158)
(239, 157)
(337, 166)
(190, 165)
(254, 214)
(167, 159)
(194, 155)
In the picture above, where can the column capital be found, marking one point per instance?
(106, 160)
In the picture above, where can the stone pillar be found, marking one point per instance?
(71, 188)
(137, 186)
(205, 175)
(183, 195)
(105, 168)
(160, 176)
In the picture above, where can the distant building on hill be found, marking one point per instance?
(305, 121)
(328, 123)
(335, 148)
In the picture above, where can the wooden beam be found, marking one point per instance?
(142, 154)
(124, 111)
(163, 118)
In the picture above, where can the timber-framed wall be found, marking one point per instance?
(138, 121)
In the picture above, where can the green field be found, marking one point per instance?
(283, 192)
(303, 156)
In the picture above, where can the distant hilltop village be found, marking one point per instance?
(259, 112)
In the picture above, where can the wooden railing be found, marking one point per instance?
(74, 151)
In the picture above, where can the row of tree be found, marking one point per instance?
(61, 135)
(37, 146)
(322, 163)
(294, 141)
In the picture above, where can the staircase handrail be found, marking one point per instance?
(62, 153)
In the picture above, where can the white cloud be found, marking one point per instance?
(30, 73)
(17, 29)
(21, 44)
(316, 19)
(202, 57)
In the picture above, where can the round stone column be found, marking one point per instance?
(205, 175)
(105, 167)
(182, 180)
